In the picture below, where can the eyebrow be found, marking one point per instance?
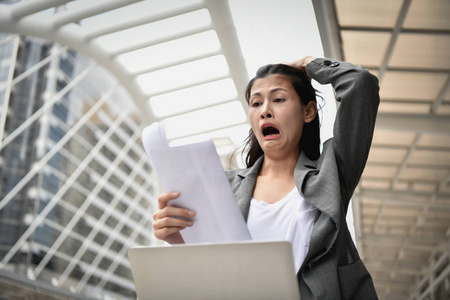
(271, 92)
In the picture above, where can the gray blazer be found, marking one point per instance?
(332, 268)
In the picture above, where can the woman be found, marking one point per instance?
(288, 189)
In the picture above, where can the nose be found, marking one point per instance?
(266, 112)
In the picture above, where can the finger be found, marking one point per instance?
(171, 222)
(172, 211)
(164, 198)
(164, 233)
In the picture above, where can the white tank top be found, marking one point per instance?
(289, 219)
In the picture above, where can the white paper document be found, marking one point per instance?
(196, 172)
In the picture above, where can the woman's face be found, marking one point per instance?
(276, 115)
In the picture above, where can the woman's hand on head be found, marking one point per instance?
(168, 221)
(301, 63)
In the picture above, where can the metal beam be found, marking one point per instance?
(101, 221)
(5, 107)
(444, 274)
(414, 123)
(132, 207)
(73, 16)
(71, 37)
(89, 199)
(327, 22)
(161, 40)
(402, 198)
(223, 24)
(405, 161)
(47, 106)
(181, 87)
(395, 33)
(177, 63)
(36, 67)
(388, 238)
(389, 30)
(39, 288)
(26, 8)
(441, 96)
(134, 22)
(40, 164)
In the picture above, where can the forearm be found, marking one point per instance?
(357, 90)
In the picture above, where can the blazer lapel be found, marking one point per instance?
(318, 182)
(244, 190)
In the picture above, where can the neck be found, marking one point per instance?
(279, 166)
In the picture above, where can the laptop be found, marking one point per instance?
(243, 270)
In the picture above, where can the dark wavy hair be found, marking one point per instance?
(310, 140)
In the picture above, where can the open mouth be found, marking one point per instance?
(270, 131)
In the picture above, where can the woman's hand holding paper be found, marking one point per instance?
(170, 220)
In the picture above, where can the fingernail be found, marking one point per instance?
(175, 194)
(190, 223)
(191, 213)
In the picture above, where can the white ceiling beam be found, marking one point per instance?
(209, 80)
(135, 22)
(161, 40)
(73, 16)
(223, 24)
(174, 63)
(71, 37)
(208, 131)
(26, 8)
(209, 105)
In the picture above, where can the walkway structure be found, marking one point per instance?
(401, 208)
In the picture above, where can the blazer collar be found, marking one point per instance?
(253, 170)
(245, 191)
(318, 182)
(310, 185)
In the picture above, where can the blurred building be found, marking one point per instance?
(75, 190)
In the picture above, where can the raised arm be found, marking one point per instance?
(357, 90)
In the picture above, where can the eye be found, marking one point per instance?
(256, 104)
(278, 100)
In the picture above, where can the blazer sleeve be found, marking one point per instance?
(357, 91)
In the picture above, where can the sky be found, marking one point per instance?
(281, 31)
